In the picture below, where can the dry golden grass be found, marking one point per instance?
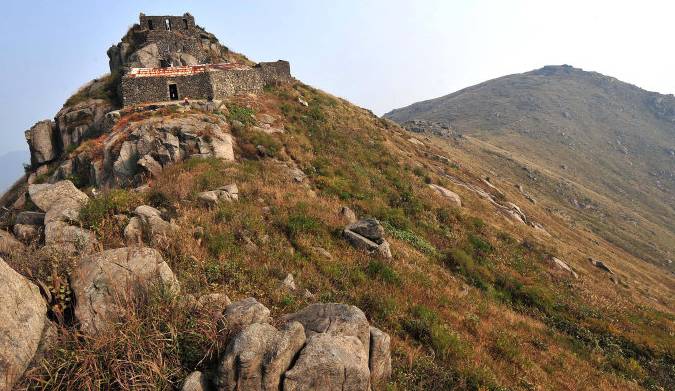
(499, 317)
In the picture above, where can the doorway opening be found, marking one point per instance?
(173, 92)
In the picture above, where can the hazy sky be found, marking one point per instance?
(380, 54)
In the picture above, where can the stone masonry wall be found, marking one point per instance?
(156, 89)
(215, 84)
(178, 23)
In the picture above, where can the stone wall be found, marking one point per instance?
(156, 89)
(158, 23)
(215, 84)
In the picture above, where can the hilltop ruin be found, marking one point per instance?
(166, 58)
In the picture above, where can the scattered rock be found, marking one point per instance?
(303, 102)
(601, 265)
(368, 234)
(330, 362)
(322, 252)
(105, 283)
(289, 283)
(265, 118)
(24, 317)
(564, 266)
(348, 215)
(196, 381)
(452, 196)
(242, 313)
(212, 198)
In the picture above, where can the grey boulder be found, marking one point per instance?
(330, 362)
(24, 317)
(106, 282)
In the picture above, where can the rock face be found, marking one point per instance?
(148, 224)
(322, 347)
(367, 234)
(24, 316)
(42, 142)
(330, 362)
(452, 196)
(104, 283)
(73, 122)
(155, 142)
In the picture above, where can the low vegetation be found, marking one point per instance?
(469, 305)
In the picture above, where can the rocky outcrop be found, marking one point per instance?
(324, 346)
(106, 282)
(75, 122)
(42, 142)
(196, 381)
(24, 317)
(147, 146)
(601, 265)
(348, 214)
(368, 234)
(450, 195)
(61, 203)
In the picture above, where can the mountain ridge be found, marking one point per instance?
(607, 135)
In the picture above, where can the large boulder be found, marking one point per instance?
(450, 195)
(106, 282)
(24, 317)
(74, 122)
(30, 218)
(257, 357)
(333, 319)
(41, 140)
(48, 196)
(69, 238)
(330, 362)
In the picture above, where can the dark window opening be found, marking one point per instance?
(173, 92)
(150, 25)
(167, 22)
(185, 23)
(164, 63)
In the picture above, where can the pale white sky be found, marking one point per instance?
(379, 54)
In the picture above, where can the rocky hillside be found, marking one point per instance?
(291, 240)
(601, 149)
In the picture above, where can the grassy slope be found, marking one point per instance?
(603, 131)
(468, 298)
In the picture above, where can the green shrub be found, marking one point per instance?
(241, 114)
(480, 246)
(106, 205)
(424, 325)
(415, 240)
(379, 269)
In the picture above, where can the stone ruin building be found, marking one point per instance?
(166, 58)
